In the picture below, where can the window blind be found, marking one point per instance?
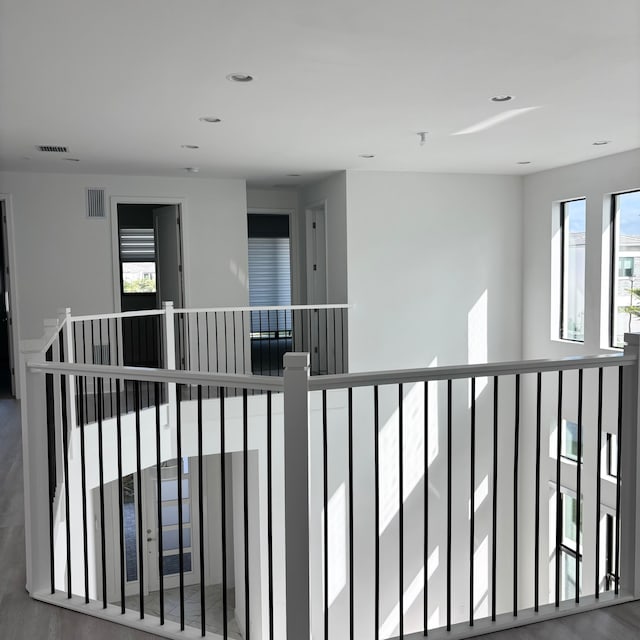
(137, 245)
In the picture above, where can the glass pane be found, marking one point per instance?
(569, 440)
(170, 539)
(139, 277)
(170, 489)
(569, 576)
(171, 564)
(170, 513)
(574, 232)
(626, 318)
(569, 522)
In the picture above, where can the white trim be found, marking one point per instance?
(115, 249)
(293, 244)
(13, 291)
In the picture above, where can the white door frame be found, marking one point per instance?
(293, 246)
(10, 261)
(322, 204)
(115, 249)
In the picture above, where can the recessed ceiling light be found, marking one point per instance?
(210, 119)
(366, 155)
(501, 98)
(239, 77)
(189, 146)
(599, 143)
(524, 162)
(73, 159)
(192, 169)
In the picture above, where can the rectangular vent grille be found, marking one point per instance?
(101, 354)
(95, 203)
(52, 148)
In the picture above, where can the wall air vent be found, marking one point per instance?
(52, 148)
(95, 204)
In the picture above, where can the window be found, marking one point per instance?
(138, 260)
(612, 455)
(610, 553)
(569, 443)
(573, 231)
(570, 556)
(625, 275)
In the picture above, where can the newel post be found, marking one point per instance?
(35, 468)
(629, 448)
(169, 339)
(296, 481)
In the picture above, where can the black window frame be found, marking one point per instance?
(563, 255)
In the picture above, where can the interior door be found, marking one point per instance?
(166, 222)
(171, 474)
(6, 322)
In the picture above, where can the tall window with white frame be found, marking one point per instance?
(625, 265)
(570, 555)
(573, 233)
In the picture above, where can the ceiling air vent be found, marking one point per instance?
(95, 204)
(52, 148)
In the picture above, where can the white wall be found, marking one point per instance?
(594, 180)
(333, 191)
(433, 269)
(64, 259)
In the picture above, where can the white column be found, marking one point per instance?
(296, 480)
(629, 444)
(169, 337)
(35, 468)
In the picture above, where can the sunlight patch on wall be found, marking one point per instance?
(239, 273)
(480, 495)
(434, 619)
(481, 579)
(433, 562)
(477, 338)
(337, 543)
(391, 625)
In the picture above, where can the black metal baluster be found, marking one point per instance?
(536, 597)
(516, 456)
(425, 556)
(449, 483)
(244, 340)
(616, 587)
(83, 472)
(206, 317)
(180, 516)
(342, 337)
(260, 338)
(215, 320)
(494, 529)
(335, 343)
(270, 512)
(472, 494)
(103, 553)
(376, 456)
(317, 347)
(121, 552)
(558, 488)
(136, 403)
(159, 503)
(223, 509)
(598, 487)
(198, 339)
(401, 508)
(226, 344)
(579, 484)
(326, 339)
(325, 507)
(351, 546)
(201, 514)
(110, 379)
(245, 485)
(235, 353)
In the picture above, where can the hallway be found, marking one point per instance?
(22, 618)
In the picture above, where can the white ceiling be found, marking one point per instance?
(123, 83)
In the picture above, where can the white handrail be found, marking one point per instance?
(119, 314)
(294, 307)
(347, 380)
(143, 374)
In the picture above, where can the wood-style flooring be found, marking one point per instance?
(22, 618)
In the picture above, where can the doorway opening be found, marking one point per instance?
(7, 366)
(149, 272)
(269, 286)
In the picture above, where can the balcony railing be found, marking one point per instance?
(445, 501)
